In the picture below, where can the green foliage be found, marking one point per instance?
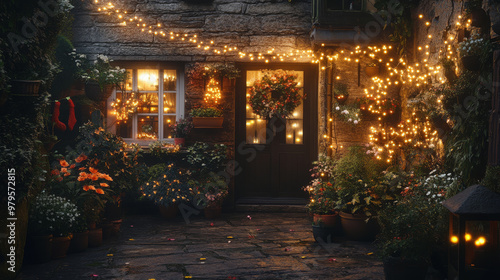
(213, 70)
(52, 214)
(348, 113)
(416, 224)
(206, 112)
(492, 178)
(182, 127)
(357, 181)
(340, 91)
(64, 79)
(467, 102)
(210, 189)
(111, 155)
(169, 188)
(322, 193)
(156, 171)
(206, 158)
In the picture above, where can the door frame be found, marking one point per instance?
(244, 153)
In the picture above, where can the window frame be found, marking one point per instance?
(160, 67)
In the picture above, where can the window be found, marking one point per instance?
(256, 126)
(160, 95)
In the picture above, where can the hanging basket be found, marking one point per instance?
(203, 122)
(471, 62)
(25, 87)
(94, 92)
(372, 71)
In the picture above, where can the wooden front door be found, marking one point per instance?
(275, 155)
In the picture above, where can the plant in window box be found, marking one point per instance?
(340, 92)
(168, 190)
(180, 130)
(206, 158)
(207, 117)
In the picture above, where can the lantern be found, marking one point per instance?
(474, 251)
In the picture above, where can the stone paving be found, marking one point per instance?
(235, 246)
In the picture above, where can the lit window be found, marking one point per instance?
(159, 95)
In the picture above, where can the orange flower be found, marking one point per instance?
(93, 177)
(67, 174)
(81, 158)
(93, 170)
(72, 166)
(81, 168)
(87, 188)
(55, 172)
(104, 185)
(64, 170)
(63, 163)
(107, 177)
(59, 179)
(99, 191)
(83, 176)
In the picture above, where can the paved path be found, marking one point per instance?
(235, 246)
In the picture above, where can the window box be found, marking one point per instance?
(208, 122)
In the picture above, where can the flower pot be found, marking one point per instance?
(95, 237)
(326, 220)
(169, 212)
(212, 212)
(115, 229)
(79, 242)
(356, 227)
(94, 92)
(25, 87)
(179, 141)
(372, 71)
(471, 62)
(323, 234)
(479, 18)
(396, 269)
(60, 246)
(202, 122)
(38, 248)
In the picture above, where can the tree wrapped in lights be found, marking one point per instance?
(125, 107)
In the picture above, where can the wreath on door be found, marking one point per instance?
(275, 94)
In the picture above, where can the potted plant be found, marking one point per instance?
(180, 130)
(209, 192)
(340, 92)
(372, 69)
(207, 117)
(54, 215)
(360, 193)
(80, 237)
(205, 158)
(474, 52)
(99, 76)
(414, 227)
(168, 190)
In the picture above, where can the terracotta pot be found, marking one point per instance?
(201, 122)
(396, 269)
(179, 141)
(372, 71)
(471, 62)
(95, 237)
(325, 220)
(169, 212)
(79, 242)
(212, 212)
(323, 234)
(25, 87)
(60, 246)
(356, 227)
(115, 229)
(38, 248)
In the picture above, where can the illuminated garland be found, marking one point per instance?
(124, 108)
(275, 95)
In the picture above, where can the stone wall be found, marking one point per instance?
(250, 25)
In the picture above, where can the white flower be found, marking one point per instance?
(355, 121)
(337, 108)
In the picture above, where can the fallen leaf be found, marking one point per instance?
(332, 260)
(211, 224)
(203, 259)
(249, 217)
(131, 239)
(109, 255)
(292, 230)
(369, 254)
(131, 225)
(229, 237)
(303, 257)
(170, 239)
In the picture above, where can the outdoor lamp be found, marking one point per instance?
(474, 251)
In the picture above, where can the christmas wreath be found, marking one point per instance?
(275, 95)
